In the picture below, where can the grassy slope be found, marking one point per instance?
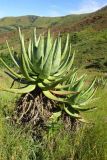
(10, 23)
(97, 20)
(90, 46)
(91, 49)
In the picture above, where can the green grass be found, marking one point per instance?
(91, 48)
(14, 143)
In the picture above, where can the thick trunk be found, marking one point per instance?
(34, 110)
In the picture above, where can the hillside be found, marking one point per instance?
(97, 20)
(88, 34)
(10, 23)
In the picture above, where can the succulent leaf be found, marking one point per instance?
(10, 70)
(25, 89)
(11, 55)
(57, 57)
(66, 47)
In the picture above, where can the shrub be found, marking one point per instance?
(46, 69)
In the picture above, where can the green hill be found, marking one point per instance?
(97, 20)
(88, 34)
(10, 23)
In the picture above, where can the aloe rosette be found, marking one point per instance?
(45, 65)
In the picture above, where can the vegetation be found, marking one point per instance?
(90, 45)
(93, 23)
(61, 137)
(96, 20)
(45, 68)
(87, 142)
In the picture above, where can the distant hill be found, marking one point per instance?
(10, 23)
(97, 20)
(88, 34)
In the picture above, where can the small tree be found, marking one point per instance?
(52, 89)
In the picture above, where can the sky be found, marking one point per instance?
(51, 8)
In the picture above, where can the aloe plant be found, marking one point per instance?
(45, 65)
